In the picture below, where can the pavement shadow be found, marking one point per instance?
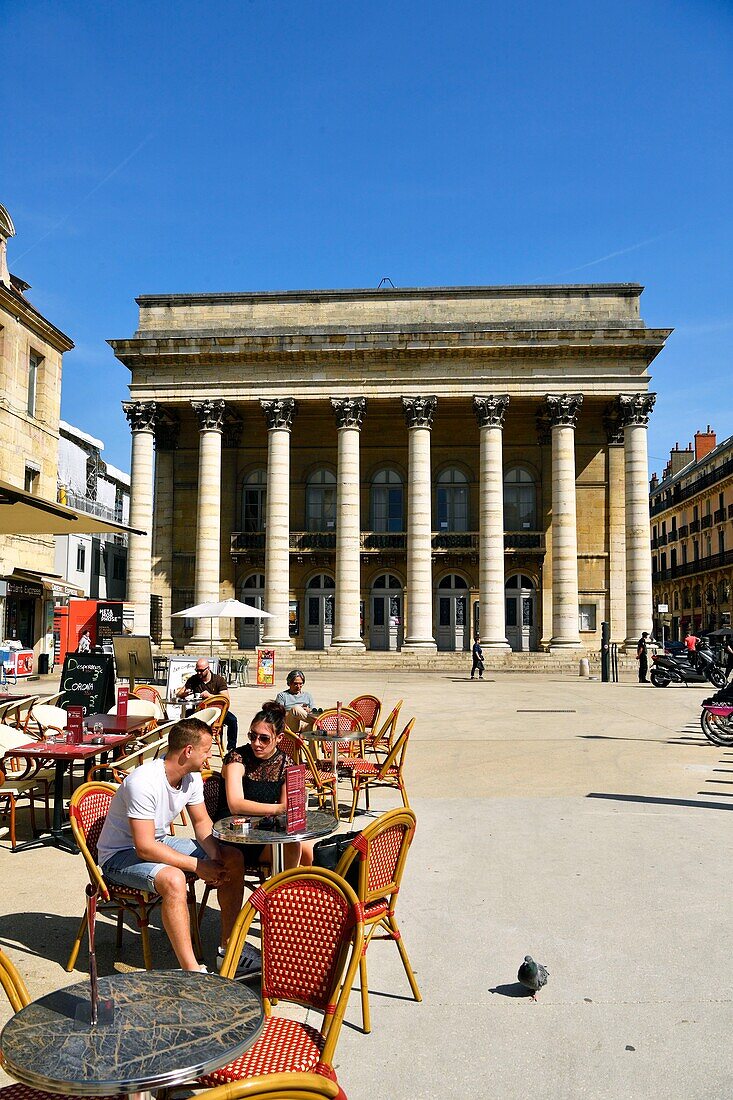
(654, 801)
(49, 936)
(511, 989)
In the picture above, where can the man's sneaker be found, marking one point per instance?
(250, 962)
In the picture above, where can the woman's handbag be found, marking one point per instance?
(327, 853)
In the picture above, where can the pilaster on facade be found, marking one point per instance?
(419, 412)
(349, 413)
(142, 417)
(279, 414)
(490, 411)
(634, 411)
(210, 415)
(562, 413)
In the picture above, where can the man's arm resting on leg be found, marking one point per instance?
(151, 850)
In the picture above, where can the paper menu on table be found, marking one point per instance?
(295, 796)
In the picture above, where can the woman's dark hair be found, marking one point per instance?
(273, 714)
(291, 676)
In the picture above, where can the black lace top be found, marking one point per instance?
(262, 779)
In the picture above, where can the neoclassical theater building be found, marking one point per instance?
(393, 469)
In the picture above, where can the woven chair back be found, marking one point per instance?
(139, 708)
(88, 811)
(382, 848)
(47, 715)
(292, 746)
(13, 984)
(368, 706)
(151, 695)
(222, 705)
(332, 721)
(213, 785)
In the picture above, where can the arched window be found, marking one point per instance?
(387, 580)
(254, 498)
(386, 502)
(520, 500)
(452, 500)
(676, 605)
(320, 501)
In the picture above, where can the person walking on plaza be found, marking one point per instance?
(642, 657)
(135, 847)
(205, 683)
(477, 655)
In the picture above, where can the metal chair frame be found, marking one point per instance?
(222, 704)
(321, 781)
(278, 1086)
(365, 774)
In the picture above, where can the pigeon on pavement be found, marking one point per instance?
(532, 975)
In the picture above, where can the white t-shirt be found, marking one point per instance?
(147, 795)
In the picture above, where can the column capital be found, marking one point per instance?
(491, 409)
(210, 414)
(279, 413)
(635, 408)
(349, 411)
(562, 409)
(167, 430)
(141, 415)
(613, 425)
(419, 411)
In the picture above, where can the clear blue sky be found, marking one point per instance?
(171, 147)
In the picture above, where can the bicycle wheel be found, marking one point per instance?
(717, 729)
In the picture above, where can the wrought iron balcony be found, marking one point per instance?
(719, 516)
(244, 542)
(694, 526)
(707, 521)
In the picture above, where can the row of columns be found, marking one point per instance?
(626, 424)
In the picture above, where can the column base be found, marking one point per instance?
(419, 645)
(166, 645)
(498, 645)
(344, 646)
(562, 643)
(276, 643)
(206, 645)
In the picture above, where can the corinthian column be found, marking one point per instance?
(419, 413)
(616, 523)
(141, 416)
(167, 431)
(562, 412)
(349, 413)
(208, 528)
(279, 415)
(490, 412)
(634, 410)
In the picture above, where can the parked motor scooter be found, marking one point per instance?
(704, 662)
(678, 670)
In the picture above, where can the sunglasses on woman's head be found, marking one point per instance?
(263, 738)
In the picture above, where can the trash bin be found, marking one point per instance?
(43, 664)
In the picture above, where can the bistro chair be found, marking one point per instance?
(20, 781)
(319, 777)
(17, 715)
(345, 720)
(213, 790)
(382, 853)
(45, 718)
(278, 1086)
(369, 707)
(312, 939)
(151, 695)
(365, 774)
(140, 708)
(221, 703)
(382, 739)
(88, 810)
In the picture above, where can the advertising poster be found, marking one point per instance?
(265, 667)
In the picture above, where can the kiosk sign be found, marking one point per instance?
(265, 667)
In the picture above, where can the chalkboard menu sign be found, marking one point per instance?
(88, 681)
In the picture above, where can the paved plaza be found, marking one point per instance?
(586, 824)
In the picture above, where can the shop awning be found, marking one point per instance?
(22, 513)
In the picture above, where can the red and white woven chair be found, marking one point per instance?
(365, 774)
(319, 776)
(312, 940)
(345, 720)
(381, 740)
(369, 707)
(17, 994)
(88, 809)
(382, 851)
(278, 1086)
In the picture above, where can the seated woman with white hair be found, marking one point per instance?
(299, 706)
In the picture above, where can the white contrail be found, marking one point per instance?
(620, 252)
(88, 195)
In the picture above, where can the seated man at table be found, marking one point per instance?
(300, 710)
(135, 848)
(205, 683)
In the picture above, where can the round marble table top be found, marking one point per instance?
(323, 735)
(318, 823)
(155, 1028)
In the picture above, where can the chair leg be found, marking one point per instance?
(194, 921)
(355, 799)
(120, 916)
(335, 800)
(397, 937)
(364, 982)
(77, 943)
(202, 906)
(11, 799)
(145, 937)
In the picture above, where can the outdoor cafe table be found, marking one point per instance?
(118, 733)
(156, 1029)
(333, 739)
(317, 824)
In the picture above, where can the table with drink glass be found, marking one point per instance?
(240, 829)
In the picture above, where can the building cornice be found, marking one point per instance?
(20, 308)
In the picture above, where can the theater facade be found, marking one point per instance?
(393, 469)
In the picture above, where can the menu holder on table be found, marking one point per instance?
(295, 797)
(75, 725)
(123, 694)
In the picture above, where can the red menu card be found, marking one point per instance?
(75, 724)
(123, 694)
(295, 792)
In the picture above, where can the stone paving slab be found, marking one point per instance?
(598, 841)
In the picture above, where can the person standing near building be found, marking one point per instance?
(477, 655)
(85, 642)
(642, 657)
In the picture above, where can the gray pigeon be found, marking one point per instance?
(532, 975)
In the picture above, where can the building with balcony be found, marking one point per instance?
(393, 469)
(692, 537)
(31, 352)
(94, 564)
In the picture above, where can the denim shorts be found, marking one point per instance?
(125, 868)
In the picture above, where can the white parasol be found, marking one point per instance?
(227, 609)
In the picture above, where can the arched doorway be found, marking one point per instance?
(252, 592)
(521, 613)
(452, 613)
(386, 618)
(319, 612)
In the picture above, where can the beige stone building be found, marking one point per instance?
(394, 469)
(31, 350)
(692, 537)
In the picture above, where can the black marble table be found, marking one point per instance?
(156, 1029)
(318, 824)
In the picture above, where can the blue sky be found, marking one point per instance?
(171, 147)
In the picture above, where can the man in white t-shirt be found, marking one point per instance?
(135, 848)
